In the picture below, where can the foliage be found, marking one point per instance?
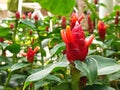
(33, 54)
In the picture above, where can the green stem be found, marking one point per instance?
(75, 76)
(41, 48)
(92, 9)
(7, 81)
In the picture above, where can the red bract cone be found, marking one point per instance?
(17, 15)
(30, 54)
(95, 1)
(117, 18)
(90, 25)
(63, 23)
(76, 44)
(74, 18)
(102, 30)
(23, 16)
(36, 18)
(29, 15)
(11, 25)
(30, 32)
(1, 40)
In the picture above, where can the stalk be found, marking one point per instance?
(7, 80)
(75, 76)
(91, 8)
(39, 41)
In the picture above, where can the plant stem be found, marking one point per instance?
(75, 76)
(91, 8)
(39, 41)
(8, 79)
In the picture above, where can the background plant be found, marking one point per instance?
(51, 71)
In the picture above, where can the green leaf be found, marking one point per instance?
(105, 65)
(5, 67)
(4, 32)
(89, 67)
(114, 76)
(58, 7)
(57, 48)
(116, 7)
(19, 66)
(13, 48)
(53, 77)
(43, 73)
(4, 59)
(28, 23)
(62, 86)
(98, 87)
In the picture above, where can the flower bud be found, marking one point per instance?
(63, 23)
(23, 16)
(102, 30)
(11, 25)
(17, 15)
(1, 40)
(29, 15)
(36, 18)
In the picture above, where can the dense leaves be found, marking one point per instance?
(61, 7)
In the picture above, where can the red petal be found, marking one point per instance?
(63, 35)
(89, 40)
(69, 34)
(80, 18)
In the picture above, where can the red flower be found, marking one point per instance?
(74, 18)
(102, 30)
(63, 23)
(11, 25)
(30, 54)
(30, 33)
(17, 15)
(76, 44)
(90, 25)
(117, 18)
(36, 18)
(1, 40)
(23, 16)
(47, 28)
(95, 1)
(29, 15)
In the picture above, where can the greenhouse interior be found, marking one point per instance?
(59, 44)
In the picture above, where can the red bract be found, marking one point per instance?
(117, 18)
(95, 1)
(47, 28)
(30, 54)
(29, 15)
(74, 18)
(76, 44)
(102, 30)
(1, 40)
(11, 25)
(17, 15)
(90, 25)
(30, 33)
(63, 23)
(36, 18)
(23, 16)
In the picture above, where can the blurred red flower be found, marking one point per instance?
(17, 15)
(30, 54)
(102, 30)
(76, 44)
(63, 23)
(74, 18)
